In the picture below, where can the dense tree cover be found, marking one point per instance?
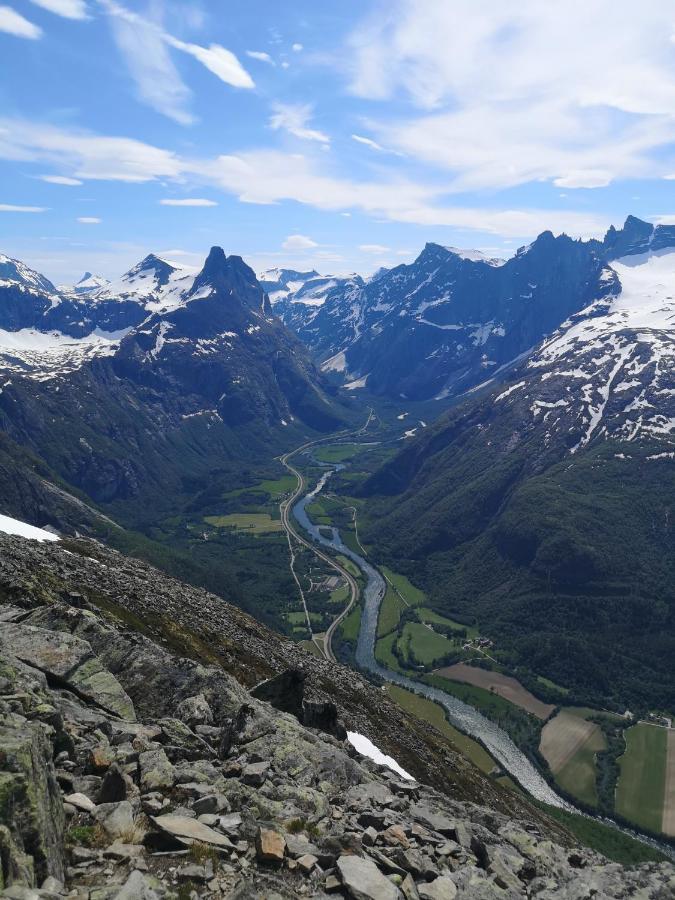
(568, 563)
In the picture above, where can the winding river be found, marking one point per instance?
(461, 715)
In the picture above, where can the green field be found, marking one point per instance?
(552, 685)
(350, 566)
(337, 452)
(427, 645)
(412, 595)
(641, 787)
(317, 513)
(272, 487)
(351, 625)
(430, 615)
(253, 523)
(298, 618)
(390, 612)
(578, 775)
(383, 652)
(340, 594)
(434, 714)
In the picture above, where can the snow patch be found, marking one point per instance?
(21, 529)
(367, 748)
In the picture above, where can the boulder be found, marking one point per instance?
(32, 818)
(195, 711)
(113, 786)
(442, 888)
(363, 880)
(156, 772)
(270, 845)
(70, 661)
(81, 802)
(186, 831)
(116, 818)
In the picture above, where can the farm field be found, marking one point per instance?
(431, 712)
(668, 825)
(390, 612)
(423, 644)
(431, 616)
(351, 567)
(253, 523)
(413, 596)
(640, 791)
(569, 744)
(336, 453)
(507, 687)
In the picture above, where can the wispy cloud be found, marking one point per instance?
(60, 179)
(272, 176)
(188, 201)
(12, 22)
(298, 242)
(69, 9)
(10, 207)
(368, 142)
(374, 248)
(144, 45)
(89, 220)
(294, 118)
(261, 56)
(531, 92)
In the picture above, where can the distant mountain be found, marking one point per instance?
(127, 392)
(453, 319)
(542, 507)
(89, 283)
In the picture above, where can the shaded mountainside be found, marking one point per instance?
(197, 378)
(134, 762)
(454, 319)
(543, 508)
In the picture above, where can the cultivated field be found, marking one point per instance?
(563, 737)
(641, 787)
(254, 523)
(503, 685)
(669, 800)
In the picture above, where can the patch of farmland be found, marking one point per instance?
(563, 737)
(669, 799)
(503, 685)
(640, 790)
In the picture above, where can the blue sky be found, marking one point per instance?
(340, 136)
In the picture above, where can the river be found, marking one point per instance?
(464, 717)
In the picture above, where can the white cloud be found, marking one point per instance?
(271, 176)
(89, 220)
(218, 60)
(296, 48)
(85, 155)
(298, 242)
(374, 248)
(69, 9)
(10, 207)
(368, 142)
(261, 56)
(294, 118)
(14, 23)
(61, 179)
(188, 201)
(578, 94)
(144, 46)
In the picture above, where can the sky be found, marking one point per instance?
(336, 136)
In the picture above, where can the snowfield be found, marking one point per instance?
(21, 529)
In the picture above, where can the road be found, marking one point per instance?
(285, 508)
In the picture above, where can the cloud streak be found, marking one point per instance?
(272, 176)
(295, 118)
(12, 22)
(69, 9)
(578, 94)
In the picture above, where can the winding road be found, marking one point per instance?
(285, 509)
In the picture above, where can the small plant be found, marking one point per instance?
(136, 833)
(295, 826)
(202, 853)
(86, 836)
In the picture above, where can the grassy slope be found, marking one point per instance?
(640, 790)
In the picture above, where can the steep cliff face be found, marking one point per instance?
(134, 764)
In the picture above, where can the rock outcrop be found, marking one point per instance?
(209, 791)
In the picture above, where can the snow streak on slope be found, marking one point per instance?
(610, 370)
(43, 356)
(14, 526)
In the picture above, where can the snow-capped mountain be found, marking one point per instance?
(88, 284)
(17, 275)
(451, 319)
(112, 389)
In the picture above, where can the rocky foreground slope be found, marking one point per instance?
(134, 765)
